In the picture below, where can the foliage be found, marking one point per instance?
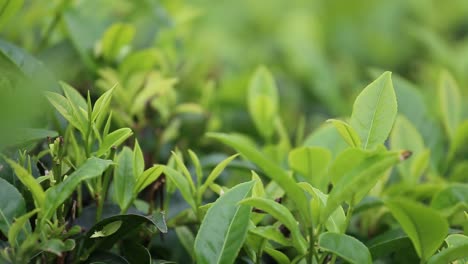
(233, 131)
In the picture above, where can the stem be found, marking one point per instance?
(349, 213)
(312, 252)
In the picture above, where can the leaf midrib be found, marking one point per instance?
(373, 115)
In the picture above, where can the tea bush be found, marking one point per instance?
(243, 131)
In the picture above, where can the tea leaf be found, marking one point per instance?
(58, 194)
(138, 160)
(346, 247)
(457, 250)
(449, 102)
(12, 205)
(425, 226)
(374, 112)
(147, 177)
(262, 101)
(115, 39)
(18, 225)
(124, 180)
(216, 172)
(347, 133)
(277, 255)
(312, 163)
(114, 139)
(187, 239)
(181, 182)
(224, 227)
(448, 199)
(29, 181)
(271, 233)
(272, 170)
(136, 253)
(282, 214)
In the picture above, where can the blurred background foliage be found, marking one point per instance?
(181, 68)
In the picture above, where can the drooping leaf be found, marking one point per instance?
(282, 214)
(58, 194)
(272, 170)
(262, 101)
(449, 102)
(224, 227)
(425, 227)
(347, 133)
(374, 112)
(114, 139)
(28, 180)
(312, 163)
(346, 247)
(12, 205)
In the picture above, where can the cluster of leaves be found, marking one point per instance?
(387, 184)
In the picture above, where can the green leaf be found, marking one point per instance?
(271, 233)
(107, 230)
(187, 239)
(136, 254)
(277, 255)
(116, 39)
(374, 112)
(114, 139)
(458, 145)
(18, 225)
(181, 182)
(197, 165)
(425, 226)
(449, 199)
(346, 247)
(272, 170)
(224, 227)
(262, 101)
(216, 172)
(147, 177)
(57, 246)
(102, 257)
(449, 102)
(457, 250)
(101, 107)
(347, 133)
(391, 241)
(9, 8)
(124, 180)
(159, 220)
(138, 160)
(337, 221)
(312, 163)
(12, 205)
(358, 181)
(29, 181)
(282, 214)
(181, 166)
(58, 194)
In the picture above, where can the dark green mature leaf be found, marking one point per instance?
(263, 101)
(114, 139)
(135, 253)
(457, 250)
(187, 239)
(102, 257)
(271, 233)
(346, 247)
(129, 223)
(425, 226)
(347, 133)
(8, 8)
(124, 180)
(374, 112)
(282, 214)
(390, 241)
(312, 163)
(449, 102)
(29, 181)
(272, 170)
(57, 195)
(12, 205)
(224, 227)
